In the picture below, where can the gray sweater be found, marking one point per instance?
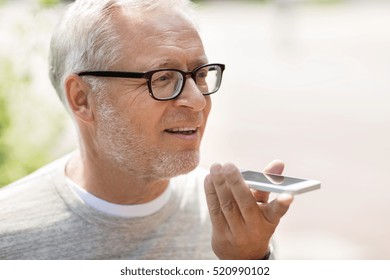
(41, 218)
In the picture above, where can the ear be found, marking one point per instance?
(77, 93)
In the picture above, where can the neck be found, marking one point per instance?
(110, 183)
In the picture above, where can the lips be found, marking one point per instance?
(182, 130)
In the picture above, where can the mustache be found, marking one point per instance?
(181, 117)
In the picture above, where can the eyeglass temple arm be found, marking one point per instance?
(115, 74)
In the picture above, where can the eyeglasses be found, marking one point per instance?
(168, 84)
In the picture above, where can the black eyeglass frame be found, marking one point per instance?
(148, 75)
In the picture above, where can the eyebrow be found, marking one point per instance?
(173, 63)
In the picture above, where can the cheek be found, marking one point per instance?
(145, 120)
(125, 118)
(138, 109)
(207, 109)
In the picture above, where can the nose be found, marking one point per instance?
(191, 97)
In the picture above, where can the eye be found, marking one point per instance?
(202, 73)
(161, 77)
(201, 76)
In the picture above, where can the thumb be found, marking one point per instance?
(274, 167)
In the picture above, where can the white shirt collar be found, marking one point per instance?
(119, 210)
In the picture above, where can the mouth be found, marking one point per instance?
(182, 130)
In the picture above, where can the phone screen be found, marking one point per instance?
(270, 178)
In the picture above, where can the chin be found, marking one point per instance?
(175, 165)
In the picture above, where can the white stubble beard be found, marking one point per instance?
(121, 145)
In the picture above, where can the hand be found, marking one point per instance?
(243, 220)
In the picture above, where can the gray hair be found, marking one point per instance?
(85, 38)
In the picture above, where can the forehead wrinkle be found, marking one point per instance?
(189, 43)
(176, 64)
(180, 53)
(171, 57)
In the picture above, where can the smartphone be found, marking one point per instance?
(278, 183)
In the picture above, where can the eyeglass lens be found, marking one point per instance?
(168, 83)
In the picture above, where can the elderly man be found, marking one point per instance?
(136, 80)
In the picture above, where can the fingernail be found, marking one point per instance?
(215, 168)
(229, 168)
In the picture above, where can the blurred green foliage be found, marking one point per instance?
(27, 139)
(32, 120)
(43, 3)
(48, 3)
(4, 127)
(270, 1)
(325, 1)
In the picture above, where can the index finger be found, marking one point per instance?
(241, 192)
(216, 214)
